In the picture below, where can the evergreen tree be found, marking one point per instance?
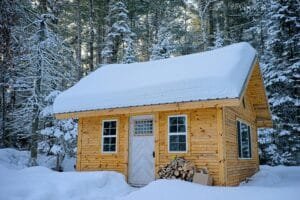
(119, 35)
(129, 53)
(59, 137)
(162, 49)
(8, 15)
(281, 72)
(43, 65)
(219, 38)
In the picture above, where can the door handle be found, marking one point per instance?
(153, 154)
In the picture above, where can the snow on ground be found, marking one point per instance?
(40, 183)
(271, 183)
(14, 159)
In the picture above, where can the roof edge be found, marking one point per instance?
(246, 82)
(267, 123)
(151, 108)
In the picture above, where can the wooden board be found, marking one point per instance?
(238, 170)
(203, 148)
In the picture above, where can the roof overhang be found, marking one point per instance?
(152, 108)
(256, 91)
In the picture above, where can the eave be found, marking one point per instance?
(255, 88)
(152, 108)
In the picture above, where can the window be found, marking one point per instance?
(143, 127)
(177, 133)
(244, 140)
(109, 136)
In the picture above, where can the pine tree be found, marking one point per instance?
(129, 53)
(219, 38)
(59, 137)
(281, 71)
(162, 49)
(43, 65)
(79, 39)
(119, 35)
(92, 35)
(8, 15)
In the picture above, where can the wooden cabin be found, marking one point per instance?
(205, 107)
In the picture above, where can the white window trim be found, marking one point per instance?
(240, 142)
(107, 136)
(184, 133)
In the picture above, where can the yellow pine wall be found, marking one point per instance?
(239, 169)
(205, 144)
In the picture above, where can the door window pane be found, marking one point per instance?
(143, 127)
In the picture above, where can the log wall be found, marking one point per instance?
(237, 169)
(202, 140)
(202, 143)
(208, 146)
(89, 156)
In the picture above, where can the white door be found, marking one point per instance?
(141, 150)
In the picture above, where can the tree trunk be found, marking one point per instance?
(203, 7)
(79, 30)
(37, 93)
(211, 25)
(6, 17)
(34, 137)
(91, 42)
(226, 22)
(43, 6)
(99, 44)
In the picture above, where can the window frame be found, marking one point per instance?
(109, 136)
(239, 139)
(183, 133)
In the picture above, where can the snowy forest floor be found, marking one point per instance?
(41, 183)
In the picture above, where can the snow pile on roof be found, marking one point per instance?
(215, 74)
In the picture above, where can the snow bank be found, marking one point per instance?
(219, 73)
(271, 183)
(14, 159)
(40, 183)
(279, 177)
(36, 183)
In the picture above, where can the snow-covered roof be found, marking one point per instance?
(216, 74)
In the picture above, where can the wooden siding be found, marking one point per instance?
(203, 136)
(257, 95)
(89, 156)
(238, 169)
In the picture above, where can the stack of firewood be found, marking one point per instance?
(179, 168)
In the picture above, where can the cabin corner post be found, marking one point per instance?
(221, 146)
(257, 148)
(79, 143)
(156, 143)
(126, 145)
